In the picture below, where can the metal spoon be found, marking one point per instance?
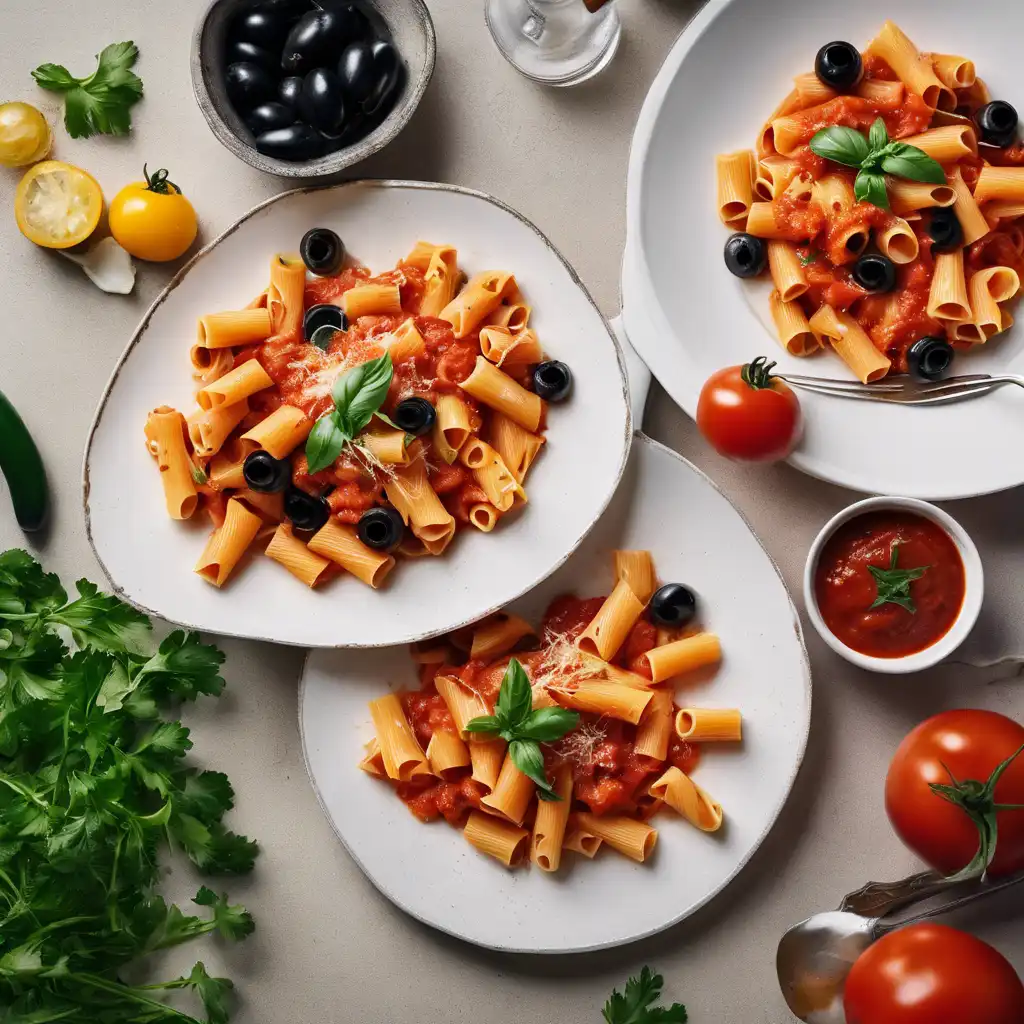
(815, 956)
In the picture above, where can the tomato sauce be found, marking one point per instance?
(845, 589)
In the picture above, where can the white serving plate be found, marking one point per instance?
(687, 316)
(148, 558)
(432, 873)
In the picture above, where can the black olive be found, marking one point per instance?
(324, 314)
(289, 90)
(389, 71)
(381, 528)
(296, 142)
(875, 272)
(322, 103)
(414, 415)
(944, 227)
(356, 71)
(264, 473)
(314, 41)
(745, 255)
(839, 65)
(268, 116)
(997, 122)
(552, 381)
(672, 606)
(355, 24)
(263, 26)
(322, 251)
(306, 511)
(243, 51)
(930, 358)
(248, 86)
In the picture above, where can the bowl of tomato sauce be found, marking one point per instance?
(893, 584)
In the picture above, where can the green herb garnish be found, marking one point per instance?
(199, 477)
(811, 256)
(874, 157)
(94, 787)
(634, 1006)
(358, 394)
(894, 584)
(101, 103)
(524, 729)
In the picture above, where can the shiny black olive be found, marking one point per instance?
(324, 314)
(288, 11)
(745, 255)
(322, 103)
(322, 251)
(268, 116)
(875, 272)
(414, 416)
(946, 231)
(672, 606)
(356, 71)
(263, 26)
(355, 24)
(264, 473)
(323, 337)
(248, 86)
(306, 511)
(839, 65)
(314, 41)
(552, 381)
(289, 90)
(390, 73)
(381, 528)
(242, 51)
(997, 122)
(296, 142)
(930, 358)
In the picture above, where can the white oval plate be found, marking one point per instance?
(431, 872)
(148, 558)
(687, 315)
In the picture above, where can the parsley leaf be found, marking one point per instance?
(634, 1005)
(894, 584)
(100, 103)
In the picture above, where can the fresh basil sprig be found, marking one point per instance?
(524, 729)
(894, 584)
(874, 157)
(358, 395)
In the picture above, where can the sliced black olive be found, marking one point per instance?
(946, 231)
(389, 72)
(296, 142)
(672, 606)
(248, 86)
(839, 65)
(268, 116)
(745, 255)
(552, 381)
(289, 90)
(322, 251)
(875, 272)
(323, 337)
(414, 415)
(306, 511)
(263, 26)
(324, 314)
(264, 473)
(997, 122)
(242, 51)
(322, 103)
(381, 528)
(930, 358)
(314, 42)
(356, 71)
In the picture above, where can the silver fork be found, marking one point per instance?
(905, 390)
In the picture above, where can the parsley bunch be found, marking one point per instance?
(634, 1005)
(94, 785)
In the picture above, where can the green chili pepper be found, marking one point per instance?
(23, 468)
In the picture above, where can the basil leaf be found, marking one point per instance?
(526, 756)
(325, 442)
(870, 187)
(485, 723)
(515, 698)
(386, 419)
(878, 137)
(359, 393)
(548, 724)
(910, 162)
(842, 145)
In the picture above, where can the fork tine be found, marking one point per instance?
(862, 393)
(951, 393)
(840, 385)
(902, 396)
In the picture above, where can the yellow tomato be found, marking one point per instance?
(57, 205)
(25, 137)
(152, 219)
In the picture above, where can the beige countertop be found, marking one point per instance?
(327, 946)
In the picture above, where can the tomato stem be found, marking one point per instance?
(758, 374)
(159, 182)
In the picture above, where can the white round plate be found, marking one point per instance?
(688, 316)
(148, 558)
(667, 505)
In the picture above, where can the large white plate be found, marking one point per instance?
(697, 536)
(148, 558)
(687, 316)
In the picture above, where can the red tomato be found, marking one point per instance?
(746, 413)
(971, 744)
(932, 974)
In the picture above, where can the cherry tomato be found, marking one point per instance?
(25, 137)
(746, 413)
(152, 219)
(971, 744)
(932, 974)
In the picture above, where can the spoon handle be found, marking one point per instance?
(876, 899)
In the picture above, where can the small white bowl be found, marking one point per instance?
(974, 580)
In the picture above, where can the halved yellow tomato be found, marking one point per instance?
(57, 205)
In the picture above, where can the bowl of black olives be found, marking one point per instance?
(306, 88)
